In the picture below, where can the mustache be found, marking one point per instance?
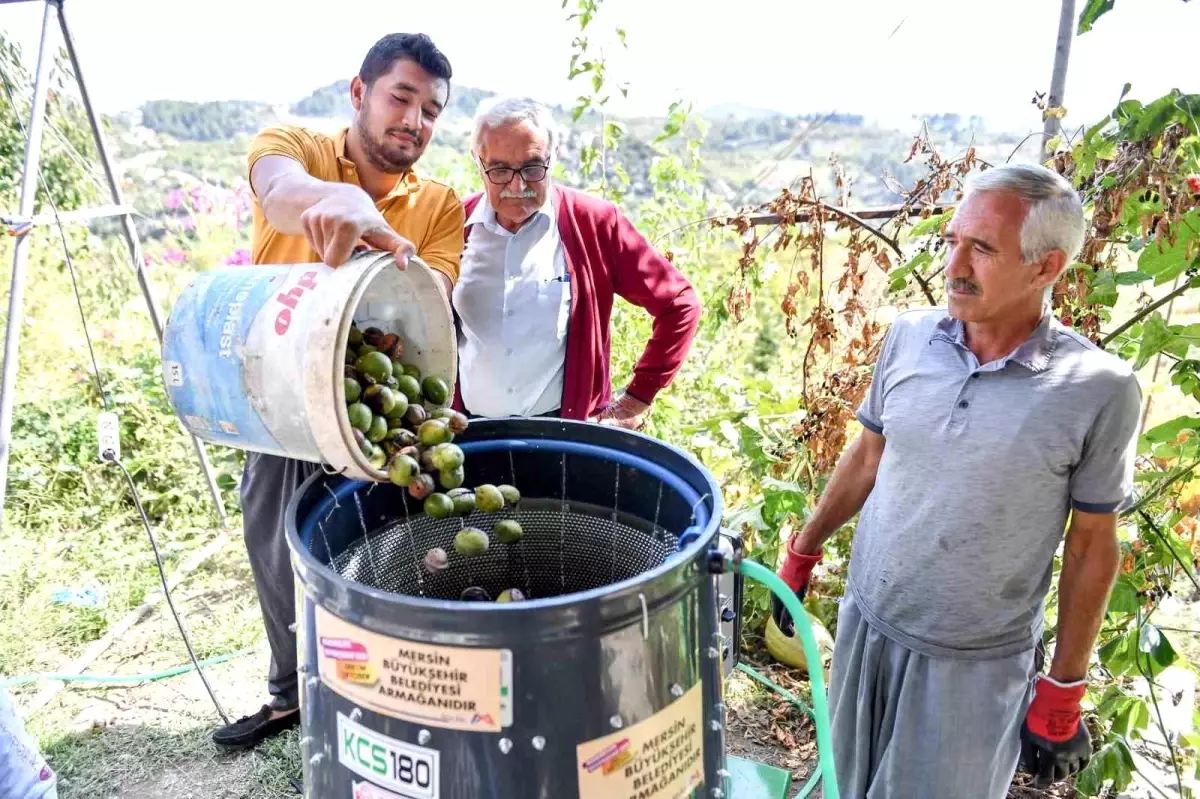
(527, 194)
(962, 284)
(416, 134)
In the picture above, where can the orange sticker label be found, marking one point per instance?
(661, 757)
(455, 688)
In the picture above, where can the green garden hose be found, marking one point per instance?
(820, 712)
(815, 777)
(122, 678)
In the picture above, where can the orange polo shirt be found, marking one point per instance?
(426, 212)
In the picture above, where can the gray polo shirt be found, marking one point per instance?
(954, 548)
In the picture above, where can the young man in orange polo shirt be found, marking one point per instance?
(316, 198)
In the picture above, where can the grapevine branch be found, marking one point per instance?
(1158, 490)
(855, 215)
(1146, 518)
(858, 218)
(1142, 314)
(880, 212)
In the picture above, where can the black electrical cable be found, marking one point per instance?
(111, 456)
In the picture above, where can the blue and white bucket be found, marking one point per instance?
(253, 356)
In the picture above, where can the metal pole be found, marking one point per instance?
(16, 296)
(1058, 78)
(131, 239)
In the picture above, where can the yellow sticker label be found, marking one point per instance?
(661, 757)
(455, 688)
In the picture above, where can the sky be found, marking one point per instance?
(885, 59)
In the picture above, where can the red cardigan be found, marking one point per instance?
(606, 255)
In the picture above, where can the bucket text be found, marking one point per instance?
(289, 300)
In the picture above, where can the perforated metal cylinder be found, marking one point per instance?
(616, 633)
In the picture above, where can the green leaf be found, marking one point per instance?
(930, 224)
(1155, 336)
(1131, 278)
(1190, 334)
(1112, 763)
(1169, 431)
(621, 36)
(1154, 651)
(1127, 713)
(580, 108)
(1103, 289)
(1092, 12)
(750, 515)
(899, 276)
(1158, 115)
(1124, 597)
(1115, 655)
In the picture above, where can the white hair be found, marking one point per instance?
(1055, 219)
(498, 112)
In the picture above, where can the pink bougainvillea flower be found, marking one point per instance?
(240, 257)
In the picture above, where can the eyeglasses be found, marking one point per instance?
(500, 175)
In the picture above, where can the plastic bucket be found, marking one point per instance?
(253, 356)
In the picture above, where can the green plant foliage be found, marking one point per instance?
(212, 121)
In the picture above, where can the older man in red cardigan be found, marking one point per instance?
(540, 267)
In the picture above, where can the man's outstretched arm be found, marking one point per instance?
(334, 217)
(852, 481)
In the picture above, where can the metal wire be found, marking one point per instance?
(111, 456)
(385, 557)
(162, 573)
(66, 250)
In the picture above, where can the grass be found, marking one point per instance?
(153, 738)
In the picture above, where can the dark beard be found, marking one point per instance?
(380, 156)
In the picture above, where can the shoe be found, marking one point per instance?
(252, 730)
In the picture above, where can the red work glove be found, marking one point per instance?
(1054, 740)
(795, 570)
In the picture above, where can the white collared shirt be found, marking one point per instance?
(513, 299)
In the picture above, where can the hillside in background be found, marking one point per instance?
(749, 153)
(334, 101)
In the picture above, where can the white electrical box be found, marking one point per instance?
(108, 435)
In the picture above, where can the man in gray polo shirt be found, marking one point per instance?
(986, 426)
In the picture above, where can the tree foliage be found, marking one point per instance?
(797, 294)
(333, 100)
(211, 121)
(67, 149)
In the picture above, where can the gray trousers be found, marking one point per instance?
(268, 483)
(909, 726)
